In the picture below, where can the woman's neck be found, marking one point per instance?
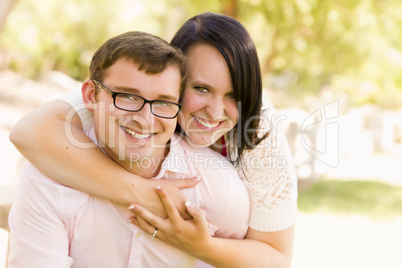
(219, 146)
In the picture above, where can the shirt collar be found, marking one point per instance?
(176, 160)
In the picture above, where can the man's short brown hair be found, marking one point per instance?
(151, 53)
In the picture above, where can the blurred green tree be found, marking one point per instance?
(346, 46)
(305, 46)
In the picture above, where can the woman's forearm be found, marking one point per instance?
(257, 250)
(51, 138)
(68, 156)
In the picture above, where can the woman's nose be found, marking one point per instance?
(215, 108)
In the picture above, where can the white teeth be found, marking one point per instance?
(136, 135)
(205, 124)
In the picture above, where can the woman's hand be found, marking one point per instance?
(151, 201)
(259, 249)
(187, 235)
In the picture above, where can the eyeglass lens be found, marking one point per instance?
(135, 103)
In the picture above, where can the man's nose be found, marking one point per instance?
(144, 116)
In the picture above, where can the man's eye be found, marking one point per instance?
(130, 97)
(163, 103)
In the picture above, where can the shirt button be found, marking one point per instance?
(138, 234)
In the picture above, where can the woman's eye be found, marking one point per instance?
(230, 95)
(201, 89)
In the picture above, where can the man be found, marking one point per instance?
(134, 93)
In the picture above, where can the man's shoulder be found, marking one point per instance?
(31, 173)
(31, 178)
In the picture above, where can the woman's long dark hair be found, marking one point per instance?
(238, 49)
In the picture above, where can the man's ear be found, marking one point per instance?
(88, 94)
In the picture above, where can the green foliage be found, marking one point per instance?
(45, 35)
(63, 35)
(373, 199)
(346, 46)
(321, 43)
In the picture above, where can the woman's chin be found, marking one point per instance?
(200, 141)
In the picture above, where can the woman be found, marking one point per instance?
(222, 101)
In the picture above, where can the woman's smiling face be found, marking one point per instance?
(209, 108)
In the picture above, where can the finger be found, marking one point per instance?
(197, 214)
(146, 215)
(171, 210)
(134, 221)
(187, 183)
(145, 226)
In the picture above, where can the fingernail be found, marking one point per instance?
(212, 229)
(198, 178)
(131, 207)
(189, 204)
(158, 187)
(130, 220)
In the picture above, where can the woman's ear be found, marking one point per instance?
(88, 95)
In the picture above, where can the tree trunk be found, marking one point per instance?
(5, 7)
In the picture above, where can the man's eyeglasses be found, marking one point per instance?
(134, 103)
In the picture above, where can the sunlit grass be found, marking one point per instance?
(368, 198)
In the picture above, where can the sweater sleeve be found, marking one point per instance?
(269, 174)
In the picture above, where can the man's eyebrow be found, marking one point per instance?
(126, 90)
(167, 97)
(131, 90)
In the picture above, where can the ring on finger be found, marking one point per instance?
(153, 235)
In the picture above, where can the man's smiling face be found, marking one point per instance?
(142, 134)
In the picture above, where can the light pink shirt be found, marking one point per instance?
(56, 226)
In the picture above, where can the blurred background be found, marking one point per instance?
(331, 68)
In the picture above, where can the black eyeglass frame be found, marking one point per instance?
(114, 94)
